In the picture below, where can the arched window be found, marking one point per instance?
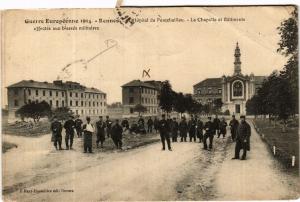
(237, 89)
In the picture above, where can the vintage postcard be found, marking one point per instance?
(150, 104)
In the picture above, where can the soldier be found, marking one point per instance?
(78, 123)
(199, 130)
(242, 139)
(233, 127)
(108, 124)
(223, 125)
(209, 133)
(141, 122)
(156, 124)
(216, 124)
(150, 125)
(174, 130)
(70, 127)
(100, 126)
(116, 134)
(88, 130)
(125, 124)
(56, 128)
(192, 129)
(164, 130)
(183, 128)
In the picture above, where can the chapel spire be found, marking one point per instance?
(237, 60)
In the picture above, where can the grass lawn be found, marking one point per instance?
(26, 129)
(7, 145)
(286, 143)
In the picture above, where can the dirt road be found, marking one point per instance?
(146, 173)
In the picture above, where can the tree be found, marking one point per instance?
(62, 113)
(139, 108)
(34, 110)
(217, 105)
(253, 106)
(179, 103)
(166, 97)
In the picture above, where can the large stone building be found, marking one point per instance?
(141, 92)
(80, 99)
(233, 90)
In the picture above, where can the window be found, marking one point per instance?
(51, 103)
(89, 104)
(131, 111)
(36, 92)
(70, 102)
(76, 94)
(97, 96)
(82, 103)
(29, 92)
(56, 93)
(76, 103)
(16, 92)
(131, 90)
(16, 103)
(44, 93)
(70, 94)
(97, 104)
(56, 103)
(131, 100)
(93, 96)
(76, 111)
(81, 95)
(63, 94)
(29, 101)
(93, 104)
(89, 95)
(237, 89)
(62, 103)
(82, 112)
(50, 93)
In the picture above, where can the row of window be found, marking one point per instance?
(149, 101)
(144, 90)
(89, 112)
(71, 94)
(82, 103)
(208, 91)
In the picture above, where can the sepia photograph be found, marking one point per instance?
(196, 103)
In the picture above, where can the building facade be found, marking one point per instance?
(80, 99)
(141, 92)
(234, 90)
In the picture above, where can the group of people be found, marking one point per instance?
(169, 129)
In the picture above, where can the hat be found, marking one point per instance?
(233, 116)
(243, 117)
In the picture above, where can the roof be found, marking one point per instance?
(35, 84)
(210, 82)
(47, 85)
(138, 83)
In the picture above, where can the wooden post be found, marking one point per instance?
(293, 161)
(274, 150)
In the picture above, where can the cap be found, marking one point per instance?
(243, 117)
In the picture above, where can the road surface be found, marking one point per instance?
(36, 172)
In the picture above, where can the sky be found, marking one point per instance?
(182, 52)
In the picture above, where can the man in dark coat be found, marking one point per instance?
(78, 126)
(223, 125)
(125, 124)
(56, 128)
(233, 127)
(216, 124)
(209, 133)
(156, 124)
(88, 130)
(116, 134)
(192, 129)
(108, 124)
(174, 130)
(183, 128)
(100, 126)
(199, 130)
(150, 125)
(69, 127)
(242, 139)
(164, 130)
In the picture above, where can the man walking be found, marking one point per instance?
(69, 127)
(108, 124)
(242, 139)
(150, 125)
(78, 123)
(199, 130)
(56, 128)
(164, 130)
(233, 127)
(88, 130)
(192, 129)
(100, 126)
(156, 124)
(125, 124)
(183, 128)
(174, 130)
(209, 133)
(223, 125)
(116, 134)
(216, 124)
